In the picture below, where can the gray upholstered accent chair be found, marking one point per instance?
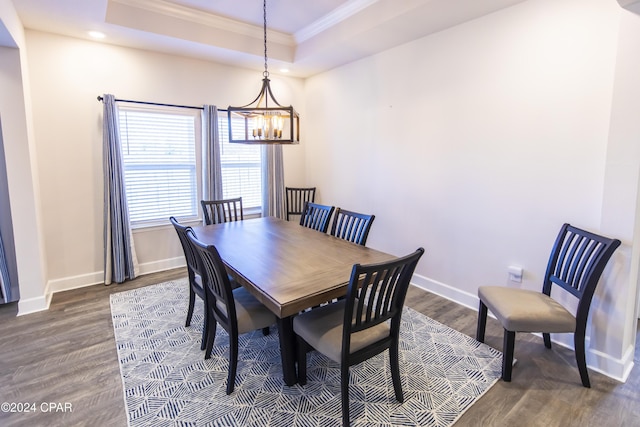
(219, 211)
(236, 310)
(296, 198)
(316, 216)
(362, 325)
(576, 263)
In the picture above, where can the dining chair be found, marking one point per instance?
(194, 276)
(316, 216)
(296, 199)
(219, 211)
(362, 325)
(236, 310)
(351, 226)
(576, 263)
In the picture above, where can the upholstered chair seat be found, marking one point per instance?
(323, 328)
(251, 314)
(526, 311)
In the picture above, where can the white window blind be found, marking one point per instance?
(160, 163)
(241, 168)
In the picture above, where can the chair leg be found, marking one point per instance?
(192, 301)
(482, 322)
(395, 371)
(233, 363)
(547, 339)
(302, 361)
(205, 328)
(205, 336)
(507, 354)
(211, 336)
(578, 342)
(344, 392)
(265, 331)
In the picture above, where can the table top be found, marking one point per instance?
(286, 266)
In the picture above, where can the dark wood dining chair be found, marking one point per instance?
(576, 263)
(219, 211)
(194, 276)
(362, 325)
(236, 310)
(351, 226)
(296, 199)
(316, 216)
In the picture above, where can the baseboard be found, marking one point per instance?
(616, 368)
(40, 303)
(163, 265)
(33, 305)
(456, 295)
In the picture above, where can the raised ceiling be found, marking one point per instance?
(305, 36)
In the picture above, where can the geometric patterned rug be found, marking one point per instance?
(167, 381)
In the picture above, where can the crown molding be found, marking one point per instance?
(336, 16)
(630, 5)
(184, 13)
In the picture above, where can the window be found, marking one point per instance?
(161, 163)
(161, 151)
(241, 168)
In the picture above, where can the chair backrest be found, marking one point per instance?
(215, 282)
(376, 293)
(189, 252)
(351, 226)
(576, 263)
(219, 211)
(316, 216)
(296, 199)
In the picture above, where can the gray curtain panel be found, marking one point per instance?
(212, 188)
(5, 285)
(272, 181)
(120, 261)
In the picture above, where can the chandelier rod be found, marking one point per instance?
(264, 14)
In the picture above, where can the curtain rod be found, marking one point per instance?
(158, 104)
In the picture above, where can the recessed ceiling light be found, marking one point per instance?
(96, 34)
(284, 70)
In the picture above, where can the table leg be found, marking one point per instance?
(288, 350)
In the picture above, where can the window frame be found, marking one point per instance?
(196, 114)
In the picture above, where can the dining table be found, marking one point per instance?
(287, 267)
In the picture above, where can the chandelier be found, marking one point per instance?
(264, 120)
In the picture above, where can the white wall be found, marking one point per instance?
(20, 155)
(66, 76)
(621, 205)
(478, 143)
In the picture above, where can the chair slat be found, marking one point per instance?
(224, 210)
(316, 216)
(296, 198)
(351, 226)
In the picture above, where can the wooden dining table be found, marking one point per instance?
(287, 267)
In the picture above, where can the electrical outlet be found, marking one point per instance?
(515, 273)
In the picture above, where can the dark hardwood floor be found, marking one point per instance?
(67, 356)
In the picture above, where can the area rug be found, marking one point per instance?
(167, 382)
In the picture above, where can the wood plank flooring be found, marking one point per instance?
(67, 355)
